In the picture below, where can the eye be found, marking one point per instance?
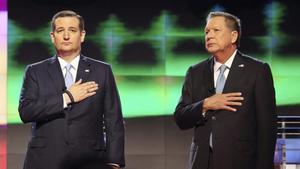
(73, 30)
(59, 30)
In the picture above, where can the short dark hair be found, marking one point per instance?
(232, 22)
(67, 13)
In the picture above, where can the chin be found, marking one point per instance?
(66, 49)
(211, 50)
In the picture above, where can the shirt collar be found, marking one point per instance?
(228, 63)
(74, 62)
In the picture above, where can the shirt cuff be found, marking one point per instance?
(203, 114)
(112, 164)
(65, 103)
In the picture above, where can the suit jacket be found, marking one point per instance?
(244, 139)
(87, 134)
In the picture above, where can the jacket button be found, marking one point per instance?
(213, 118)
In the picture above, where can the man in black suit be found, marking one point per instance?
(73, 104)
(229, 100)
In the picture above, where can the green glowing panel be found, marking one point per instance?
(150, 60)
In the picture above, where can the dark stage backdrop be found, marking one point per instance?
(150, 44)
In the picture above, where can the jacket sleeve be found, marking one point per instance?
(266, 118)
(32, 106)
(188, 114)
(113, 122)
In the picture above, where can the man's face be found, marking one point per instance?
(218, 37)
(67, 37)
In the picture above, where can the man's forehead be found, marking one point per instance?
(216, 21)
(67, 19)
(66, 22)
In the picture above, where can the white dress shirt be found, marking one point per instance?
(73, 70)
(217, 65)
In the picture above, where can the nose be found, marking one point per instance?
(209, 35)
(66, 35)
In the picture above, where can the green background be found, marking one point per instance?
(153, 87)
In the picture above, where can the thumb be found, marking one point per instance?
(78, 82)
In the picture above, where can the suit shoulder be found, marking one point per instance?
(201, 65)
(40, 64)
(251, 59)
(254, 64)
(97, 62)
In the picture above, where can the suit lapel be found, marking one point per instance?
(209, 76)
(84, 69)
(55, 73)
(235, 73)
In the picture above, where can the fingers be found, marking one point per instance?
(226, 101)
(234, 103)
(233, 94)
(90, 87)
(90, 94)
(233, 99)
(81, 91)
(88, 83)
(236, 96)
(229, 108)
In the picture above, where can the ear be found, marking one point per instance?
(234, 36)
(52, 36)
(82, 35)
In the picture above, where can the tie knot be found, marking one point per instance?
(68, 67)
(222, 68)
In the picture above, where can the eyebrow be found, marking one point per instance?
(71, 27)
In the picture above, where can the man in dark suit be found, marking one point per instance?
(229, 100)
(77, 122)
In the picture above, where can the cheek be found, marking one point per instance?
(224, 40)
(56, 39)
(57, 42)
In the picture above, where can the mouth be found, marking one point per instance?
(209, 44)
(66, 43)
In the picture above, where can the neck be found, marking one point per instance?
(67, 56)
(223, 56)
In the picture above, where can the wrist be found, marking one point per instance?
(66, 99)
(70, 96)
(204, 106)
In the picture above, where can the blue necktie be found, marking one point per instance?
(68, 77)
(219, 88)
(221, 79)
